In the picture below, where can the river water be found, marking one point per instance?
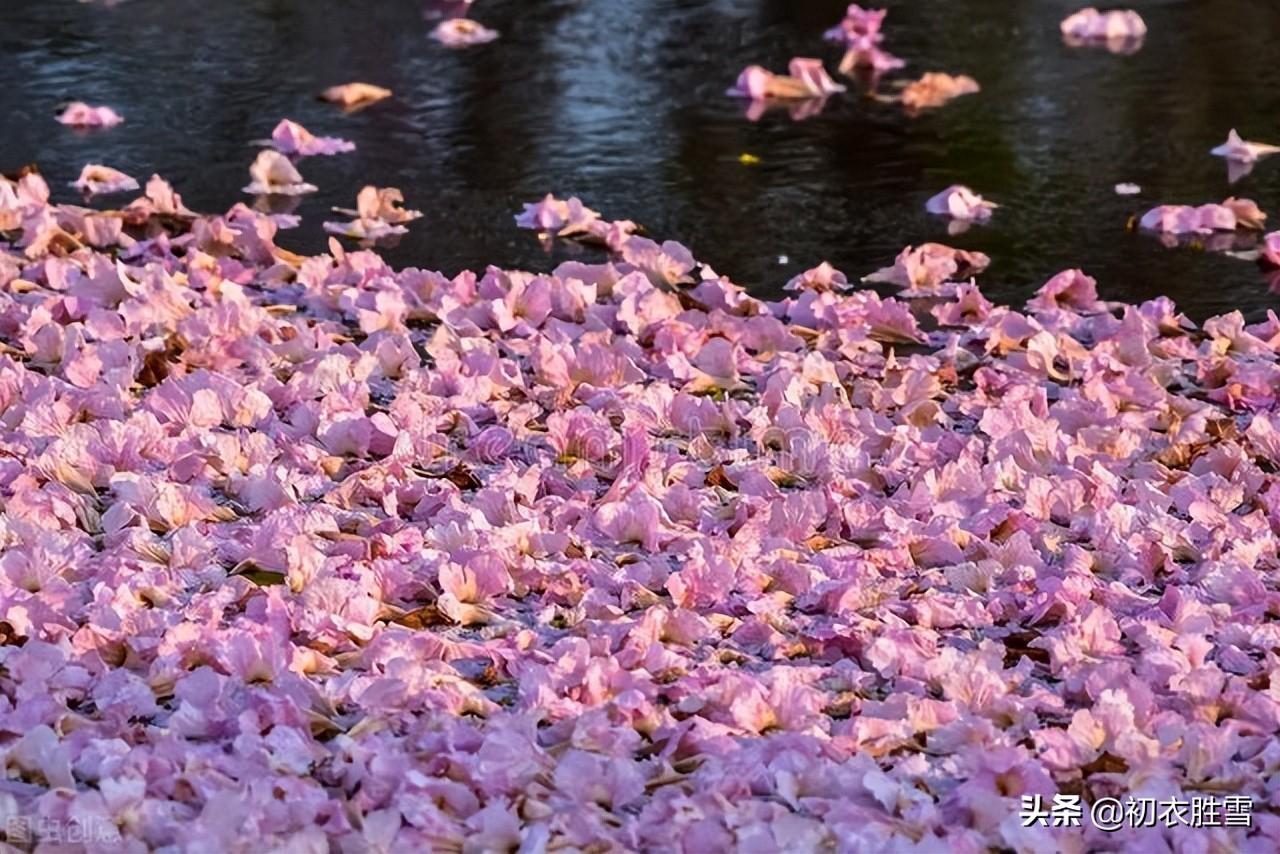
(621, 103)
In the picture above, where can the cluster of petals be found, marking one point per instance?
(1231, 215)
(314, 554)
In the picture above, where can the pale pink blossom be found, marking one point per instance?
(274, 174)
(961, 203)
(462, 32)
(1091, 26)
(352, 95)
(806, 79)
(96, 179)
(81, 115)
(935, 89)
(289, 137)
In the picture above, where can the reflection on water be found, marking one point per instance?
(622, 103)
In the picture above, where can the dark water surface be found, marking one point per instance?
(621, 102)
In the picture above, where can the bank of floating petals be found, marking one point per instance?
(354, 95)
(273, 174)
(314, 554)
(935, 89)
(96, 179)
(291, 138)
(859, 33)
(1230, 215)
(807, 78)
(462, 32)
(1120, 30)
(961, 204)
(379, 214)
(80, 115)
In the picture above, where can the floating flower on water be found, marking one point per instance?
(462, 32)
(289, 137)
(1241, 155)
(352, 95)
(96, 179)
(807, 79)
(1270, 254)
(563, 218)
(1127, 189)
(961, 204)
(1239, 150)
(274, 174)
(81, 115)
(860, 34)
(1120, 30)
(378, 215)
(935, 89)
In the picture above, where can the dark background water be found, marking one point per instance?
(621, 102)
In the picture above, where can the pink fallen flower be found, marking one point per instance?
(858, 23)
(821, 278)
(81, 115)
(1236, 148)
(935, 89)
(635, 520)
(351, 95)
(860, 34)
(807, 79)
(561, 217)
(289, 137)
(928, 266)
(1070, 290)
(961, 203)
(1271, 249)
(274, 175)
(1241, 155)
(96, 179)
(384, 203)
(378, 215)
(1247, 213)
(1091, 26)
(462, 32)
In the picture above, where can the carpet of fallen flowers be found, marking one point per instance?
(311, 554)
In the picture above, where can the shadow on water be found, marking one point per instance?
(621, 103)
